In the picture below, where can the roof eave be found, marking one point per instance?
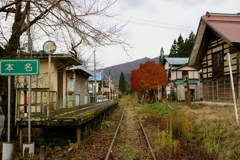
(67, 59)
(80, 68)
(197, 43)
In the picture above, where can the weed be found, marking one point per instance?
(130, 154)
(213, 135)
(49, 150)
(107, 124)
(109, 134)
(194, 107)
(160, 108)
(180, 124)
(57, 148)
(165, 146)
(73, 145)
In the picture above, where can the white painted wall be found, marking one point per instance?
(43, 82)
(180, 92)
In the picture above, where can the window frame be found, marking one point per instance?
(217, 63)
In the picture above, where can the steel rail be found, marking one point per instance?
(115, 135)
(149, 144)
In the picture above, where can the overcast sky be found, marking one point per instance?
(156, 23)
(152, 24)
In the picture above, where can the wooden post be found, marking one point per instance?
(20, 139)
(49, 84)
(187, 91)
(79, 135)
(42, 152)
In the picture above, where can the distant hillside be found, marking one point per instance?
(126, 68)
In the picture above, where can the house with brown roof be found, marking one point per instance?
(217, 35)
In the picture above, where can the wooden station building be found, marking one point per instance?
(217, 35)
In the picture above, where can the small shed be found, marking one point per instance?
(77, 85)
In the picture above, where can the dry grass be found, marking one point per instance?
(217, 128)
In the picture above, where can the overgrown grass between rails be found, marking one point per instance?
(160, 108)
(130, 154)
(109, 134)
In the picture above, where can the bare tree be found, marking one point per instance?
(66, 21)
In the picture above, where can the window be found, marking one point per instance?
(184, 73)
(217, 63)
(179, 75)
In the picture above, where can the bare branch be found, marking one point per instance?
(12, 9)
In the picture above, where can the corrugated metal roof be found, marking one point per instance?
(98, 77)
(227, 25)
(177, 60)
(81, 68)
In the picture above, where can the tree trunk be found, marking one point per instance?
(9, 52)
(4, 105)
(142, 100)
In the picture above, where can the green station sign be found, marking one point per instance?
(19, 67)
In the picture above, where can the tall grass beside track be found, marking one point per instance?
(193, 133)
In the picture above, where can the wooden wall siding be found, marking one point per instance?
(207, 63)
(219, 90)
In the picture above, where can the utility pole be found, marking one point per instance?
(95, 81)
(30, 78)
(109, 74)
(102, 84)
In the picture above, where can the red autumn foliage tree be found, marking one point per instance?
(148, 77)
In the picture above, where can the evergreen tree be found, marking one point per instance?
(173, 50)
(161, 57)
(180, 46)
(122, 83)
(189, 44)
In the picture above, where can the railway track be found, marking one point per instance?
(130, 140)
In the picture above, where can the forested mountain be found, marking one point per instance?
(126, 68)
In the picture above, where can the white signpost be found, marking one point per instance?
(15, 67)
(228, 58)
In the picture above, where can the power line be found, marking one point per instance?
(154, 22)
(150, 23)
